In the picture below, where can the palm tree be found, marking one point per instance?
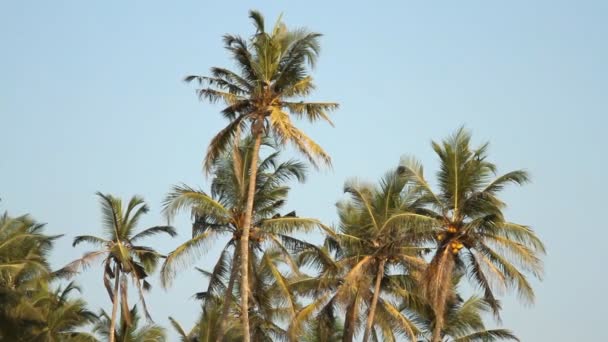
(464, 323)
(24, 272)
(122, 255)
(472, 233)
(29, 309)
(222, 212)
(266, 91)
(128, 329)
(463, 320)
(63, 316)
(379, 231)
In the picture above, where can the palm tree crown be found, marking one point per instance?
(268, 89)
(121, 251)
(377, 254)
(472, 233)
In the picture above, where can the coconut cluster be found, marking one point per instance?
(455, 245)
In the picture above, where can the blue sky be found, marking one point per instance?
(91, 99)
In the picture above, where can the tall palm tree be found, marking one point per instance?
(379, 231)
(123, 257)
(472, 233)
(128, 330)
(222, 212)
(265, 93)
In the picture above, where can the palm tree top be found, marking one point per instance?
(268, 88)
(120, 248)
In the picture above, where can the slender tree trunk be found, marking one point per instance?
(436, 333)
(228, 296)
(372, 308)
(114, 303)
(350, 320)
(244, 247)
(441, 284)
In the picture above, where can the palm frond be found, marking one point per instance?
(153, 231)
(182, 197)
(182, 256)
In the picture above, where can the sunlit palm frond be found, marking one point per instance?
(154, 231)
(182, 256)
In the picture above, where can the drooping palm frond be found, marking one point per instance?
(154, 231)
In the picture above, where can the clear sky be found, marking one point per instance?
(91, 98)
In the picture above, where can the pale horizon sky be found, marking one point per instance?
(92, 99)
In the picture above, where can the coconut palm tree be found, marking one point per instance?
(63, 316)
(377, 248)
(266, 93)
(128, 330)
(123, 257)
(472, 233)
(24, 272)
(464, 323)
(29, 309)
(463, 320)
(221, 213)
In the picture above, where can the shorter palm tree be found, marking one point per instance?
(123, 257)
(463, 320)
(24, 273)
(376, 249)
(63, 316)
(29, 309)
(129, 329)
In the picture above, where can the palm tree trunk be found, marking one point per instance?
(372, 308)
(114, 303)
(350, 320)
(228, 297)
(244, 247)
(442, 267)
(436, 333)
